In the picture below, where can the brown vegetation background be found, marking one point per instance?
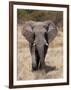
(54, 57)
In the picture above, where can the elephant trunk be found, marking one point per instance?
(41, 55)
(41, 51)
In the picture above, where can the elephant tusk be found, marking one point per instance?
(34, 44)
(46, 44)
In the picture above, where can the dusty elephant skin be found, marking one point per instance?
(39, 35)
(53, 59)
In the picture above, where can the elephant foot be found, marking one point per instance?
(34, 67)
(41, 67)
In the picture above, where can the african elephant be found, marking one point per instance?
(39, 35)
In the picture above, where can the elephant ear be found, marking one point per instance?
(51, 30)
(28, 31)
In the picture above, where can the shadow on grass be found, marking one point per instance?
(46, 69)
(49, 68)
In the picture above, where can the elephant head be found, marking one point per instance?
(39, 35)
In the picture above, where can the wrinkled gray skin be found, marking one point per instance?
(39, 35)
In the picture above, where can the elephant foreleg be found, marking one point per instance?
(42, 64)
(34, 59)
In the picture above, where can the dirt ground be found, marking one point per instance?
(53, 60)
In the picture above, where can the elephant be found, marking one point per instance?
(39, 35)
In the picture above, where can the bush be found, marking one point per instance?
(40, 15)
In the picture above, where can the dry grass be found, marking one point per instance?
(54, 59)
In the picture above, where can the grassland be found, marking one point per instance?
(53, 60)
